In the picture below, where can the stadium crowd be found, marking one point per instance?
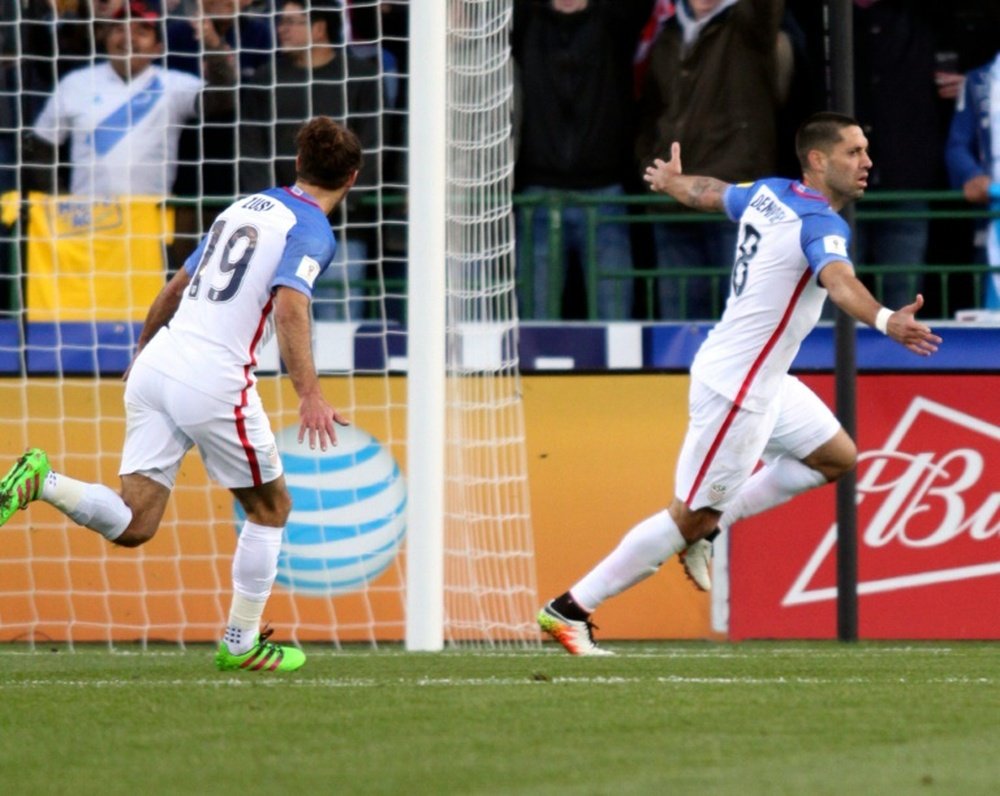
(602, 88)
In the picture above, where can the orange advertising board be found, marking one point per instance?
(600, 453)
(60, 582)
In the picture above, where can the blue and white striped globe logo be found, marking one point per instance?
(348, 512)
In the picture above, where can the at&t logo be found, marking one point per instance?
(348, 512)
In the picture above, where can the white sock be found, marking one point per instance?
(639, 554)
(255, 565)
(772, 485)
(93, 506)
(244, 624)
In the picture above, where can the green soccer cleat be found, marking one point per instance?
(266, 656)
(23, 482)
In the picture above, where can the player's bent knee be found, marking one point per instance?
(270, 517)
(834, 458)
(848, 464)
(135, 534)
(283, 507)
(843, 462)
(270, 504)
(275, 510)
(693, 525)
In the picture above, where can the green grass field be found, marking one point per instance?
(702, 718)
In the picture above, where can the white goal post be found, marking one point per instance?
(416, 528)
(428, 137)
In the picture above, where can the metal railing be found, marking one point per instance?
(940, 280)
(645, 210)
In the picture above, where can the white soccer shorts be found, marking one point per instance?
(165, 418)
(723, 444)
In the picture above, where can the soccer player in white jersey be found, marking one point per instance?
(744, 406)
(192, 383)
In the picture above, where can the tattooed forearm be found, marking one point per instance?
(704, 193)
(701, 193)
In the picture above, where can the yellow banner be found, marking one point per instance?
(95, 260)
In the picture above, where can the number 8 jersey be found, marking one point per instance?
(277, 237)
(788, 234)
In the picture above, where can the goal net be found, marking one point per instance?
(80, 262)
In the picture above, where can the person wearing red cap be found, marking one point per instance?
(123, 115)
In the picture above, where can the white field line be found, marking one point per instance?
(257, 681)
(720, 652)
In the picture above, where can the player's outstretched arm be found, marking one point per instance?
(292, 326)
(701, 193)
(848, 293)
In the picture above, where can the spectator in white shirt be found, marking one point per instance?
(123, 116)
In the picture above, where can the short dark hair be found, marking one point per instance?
(328, 11)
(820, 131)
(329, 153)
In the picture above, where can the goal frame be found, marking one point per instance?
(426, 326)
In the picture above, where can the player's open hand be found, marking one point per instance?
(318, 421)
(661, 172)
(905, 329)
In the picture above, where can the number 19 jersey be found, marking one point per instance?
(279, 237)
(788, 234)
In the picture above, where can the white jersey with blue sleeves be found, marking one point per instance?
(277, 237)
(788, 234)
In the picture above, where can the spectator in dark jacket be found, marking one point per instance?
(216, 26)
(309, 77)
(576, 125)
(246, 35)
(712, 85)
(898, 90)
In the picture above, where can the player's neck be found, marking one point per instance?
(837, 201)
(325, 198)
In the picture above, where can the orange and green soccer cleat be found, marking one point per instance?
(23, 482)
(575, 635)
(266, 656)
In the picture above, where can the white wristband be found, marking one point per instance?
(882, 320)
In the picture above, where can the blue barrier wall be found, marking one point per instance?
(89, 348)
